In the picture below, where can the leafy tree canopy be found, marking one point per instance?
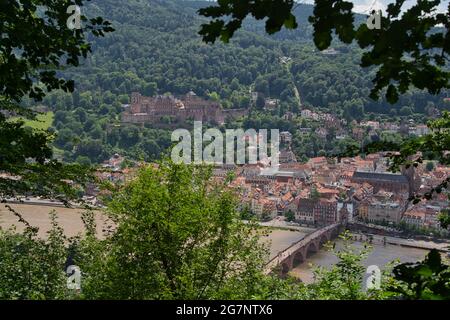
(35, 43)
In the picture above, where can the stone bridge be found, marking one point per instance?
(297, 253)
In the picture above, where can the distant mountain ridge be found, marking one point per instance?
(156, 49)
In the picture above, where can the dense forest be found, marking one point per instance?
(156, 50)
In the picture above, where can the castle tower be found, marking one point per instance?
(135, 106)
(135, 97)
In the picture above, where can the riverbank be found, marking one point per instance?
(38, 216)
(411, 243)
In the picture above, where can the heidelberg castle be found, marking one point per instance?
(188, 107)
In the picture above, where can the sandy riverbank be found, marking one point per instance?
(38, 216)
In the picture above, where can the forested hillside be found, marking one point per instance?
(156, 49)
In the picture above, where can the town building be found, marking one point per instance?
(414, 218)
(286, 137)
(320, 211)
(386, 181)
(287, 156)
(385, 211)
(317, 162)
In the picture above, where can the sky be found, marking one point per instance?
(364, 6)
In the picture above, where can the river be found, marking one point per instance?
(380, 255)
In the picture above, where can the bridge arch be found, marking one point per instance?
(285, 268)
(299, 258)
(333, 233)
(324, 239)
(312, 247)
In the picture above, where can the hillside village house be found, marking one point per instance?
(317, 162)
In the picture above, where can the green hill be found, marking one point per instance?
(43, 121)
(156, 49)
